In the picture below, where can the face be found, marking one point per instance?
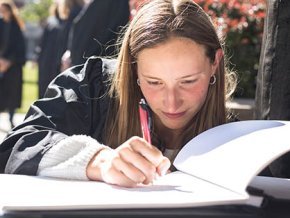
(5, 13)
(174, 78)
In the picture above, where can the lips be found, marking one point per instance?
(173, 115)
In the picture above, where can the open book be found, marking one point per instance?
(214, 168)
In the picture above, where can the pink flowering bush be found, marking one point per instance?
(240, 23)
(239, 20)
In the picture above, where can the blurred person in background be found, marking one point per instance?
(95, 30)
(48, 47)
(54, 40)
(12, 58)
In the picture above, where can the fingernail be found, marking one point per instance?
(163, 172)
(156, 176)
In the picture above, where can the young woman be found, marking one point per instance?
(88, 127)
(12, 58)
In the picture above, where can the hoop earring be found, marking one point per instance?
(212, 80)
(138, 82)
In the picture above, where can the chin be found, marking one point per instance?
(173, 126)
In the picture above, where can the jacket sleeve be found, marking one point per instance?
(66, 110)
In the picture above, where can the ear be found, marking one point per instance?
(218, 56)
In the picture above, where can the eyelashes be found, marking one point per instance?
(181, 83)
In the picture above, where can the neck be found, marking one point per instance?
(173, 142)
(171, 137)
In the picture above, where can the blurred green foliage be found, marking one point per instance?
(36, 12)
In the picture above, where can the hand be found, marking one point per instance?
(4, 65)
(66, 60)
(132, 163)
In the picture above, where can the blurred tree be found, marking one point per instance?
(36, 12)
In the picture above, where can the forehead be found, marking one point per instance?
(177, 53)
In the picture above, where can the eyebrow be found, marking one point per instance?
(183, 77)
(190, 75)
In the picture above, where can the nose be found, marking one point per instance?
(172, 100)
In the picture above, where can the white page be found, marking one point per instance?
(232, 154)
(19, 192)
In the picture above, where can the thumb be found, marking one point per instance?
(164, 166)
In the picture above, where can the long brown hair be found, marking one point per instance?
(11, 7)
(155, 23)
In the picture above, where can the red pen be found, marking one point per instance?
(145, 120)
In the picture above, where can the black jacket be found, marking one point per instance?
(49, 53)
(95, 30)
(75, 103)
(12, 48)
(52, 46)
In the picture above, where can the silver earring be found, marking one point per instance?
(138, 82)
(212, 80)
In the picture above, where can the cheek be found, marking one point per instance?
(151, 95)
(197, 95)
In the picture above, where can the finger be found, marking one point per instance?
(147, 150)
(115, 177)
(164, 166)
(140, 162)
(129, 170)
(107, 171)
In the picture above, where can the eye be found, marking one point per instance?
(154, 83)
(185, 82)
